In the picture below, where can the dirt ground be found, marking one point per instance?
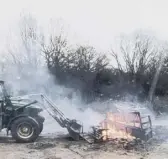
(64, 148)
(57, 146)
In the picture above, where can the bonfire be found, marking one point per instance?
(123, 125)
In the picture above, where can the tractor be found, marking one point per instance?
(21, 119)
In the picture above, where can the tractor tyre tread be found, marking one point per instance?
(34, 124)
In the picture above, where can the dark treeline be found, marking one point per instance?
(111, 75)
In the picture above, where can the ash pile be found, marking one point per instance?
(160, 135)
(121, 144)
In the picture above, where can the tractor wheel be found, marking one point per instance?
(25, 129)
(40, 122)
(40, 127)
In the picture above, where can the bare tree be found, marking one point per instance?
(89, 60)
(61, 57)
(135, 55)
(26, 50)
(55, 51)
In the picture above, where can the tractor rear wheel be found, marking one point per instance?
(25, 129)
(40, 127)
(40, 121)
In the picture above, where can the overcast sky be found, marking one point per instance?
(96, 22)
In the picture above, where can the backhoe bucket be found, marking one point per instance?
(75, 130)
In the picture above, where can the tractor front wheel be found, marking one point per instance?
(25, 129)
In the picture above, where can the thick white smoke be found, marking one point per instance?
(38, 80)
(25, 72)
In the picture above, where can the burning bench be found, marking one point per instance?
(123, 126)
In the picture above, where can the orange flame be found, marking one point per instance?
(118, 125)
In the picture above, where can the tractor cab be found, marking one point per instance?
(4, 96)
(2, 103)
(1, 91)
